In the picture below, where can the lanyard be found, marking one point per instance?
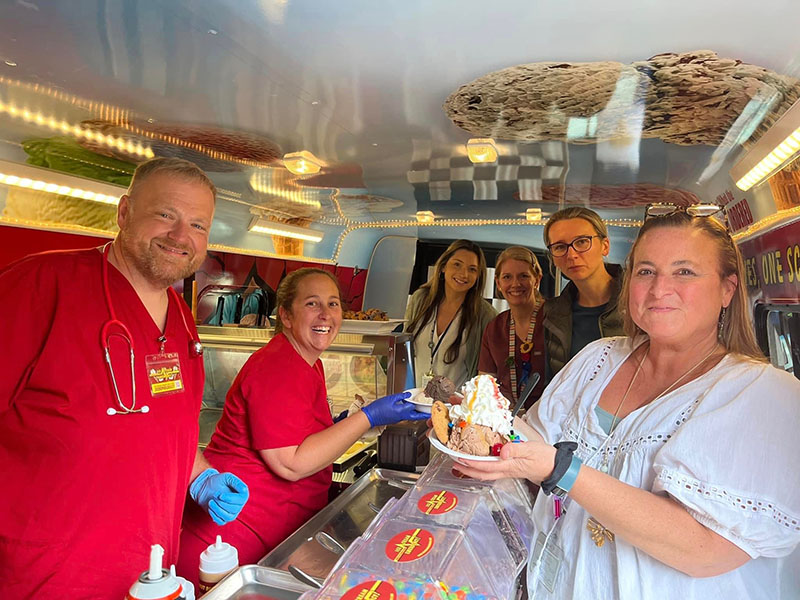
(435, 349)
(525, 352)
(116, 328)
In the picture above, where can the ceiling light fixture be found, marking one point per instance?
(482, 150)
(425, 216)
(775, 149)
(261, 225)
(533, 214)
(302, 163)
(261, 182)
(44, 180)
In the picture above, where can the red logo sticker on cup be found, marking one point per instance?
(409, 545)
(437, 503)
(371, 590)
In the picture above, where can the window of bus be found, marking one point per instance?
(780, 336)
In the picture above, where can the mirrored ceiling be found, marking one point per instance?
(612, 105)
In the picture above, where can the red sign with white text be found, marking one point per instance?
(772, 265)
(409, 545)
(437, 503)
(737, 211)
(371, 590)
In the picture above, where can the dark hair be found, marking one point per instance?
(174, 166)
(287, 290)
(471, 307)
(736, 332)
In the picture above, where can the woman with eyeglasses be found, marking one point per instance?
(667, 459)
(512, 348)
(586, 310)
(447, 315)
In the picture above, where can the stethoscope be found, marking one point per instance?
(106, 333)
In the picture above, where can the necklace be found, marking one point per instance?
(604, 466)
(525, 350)
(597, 531)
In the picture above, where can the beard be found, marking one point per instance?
(152, 263)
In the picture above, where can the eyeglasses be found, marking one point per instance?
(664, 209)
(579, 244)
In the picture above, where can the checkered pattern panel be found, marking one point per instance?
(439, 176)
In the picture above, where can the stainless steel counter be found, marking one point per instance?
(344, 519)
(252, 582)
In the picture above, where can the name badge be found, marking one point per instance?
(547, 557)
(164, 373)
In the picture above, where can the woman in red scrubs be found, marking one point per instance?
(276, 432)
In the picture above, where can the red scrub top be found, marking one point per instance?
(84, 495)
(494, 354)
(276, 400)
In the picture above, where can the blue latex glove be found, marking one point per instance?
(392, 409)
(222, 494)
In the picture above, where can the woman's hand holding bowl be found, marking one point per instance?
(532, 460)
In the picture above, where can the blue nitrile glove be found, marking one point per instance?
(392, 409)
(222, 494)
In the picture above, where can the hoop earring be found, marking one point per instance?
(721, 322)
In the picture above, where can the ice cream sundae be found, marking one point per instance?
(480, 424)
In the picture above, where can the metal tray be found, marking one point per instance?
(344, 519)
(252, 582)
(370, 327)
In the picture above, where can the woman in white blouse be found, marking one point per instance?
(683, 481)
(447, 315)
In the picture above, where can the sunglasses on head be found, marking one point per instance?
(664, 209)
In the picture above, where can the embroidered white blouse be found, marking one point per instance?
(725, 445)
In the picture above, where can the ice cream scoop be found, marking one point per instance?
(440, 388)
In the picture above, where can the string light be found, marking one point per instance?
(766, 223)
(397, 224)
(116, 116)
(62, 126)
(54, 188)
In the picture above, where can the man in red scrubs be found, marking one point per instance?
(96, 458)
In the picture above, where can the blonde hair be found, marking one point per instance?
(576, 212)
(471, 308)
(173, 166)
(736, 331)
(522, 254)
(287, 291)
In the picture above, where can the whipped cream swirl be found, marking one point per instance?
(483, 404)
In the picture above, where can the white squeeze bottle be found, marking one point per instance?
(186, 585)
(216, 561)
(156, 583)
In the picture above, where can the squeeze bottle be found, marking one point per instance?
(156, 583)
(186, 585)
(216, 561)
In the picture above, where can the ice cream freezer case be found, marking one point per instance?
(363, 360)
(447, 538)
(435, 535)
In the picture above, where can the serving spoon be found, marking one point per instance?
(526, 393)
